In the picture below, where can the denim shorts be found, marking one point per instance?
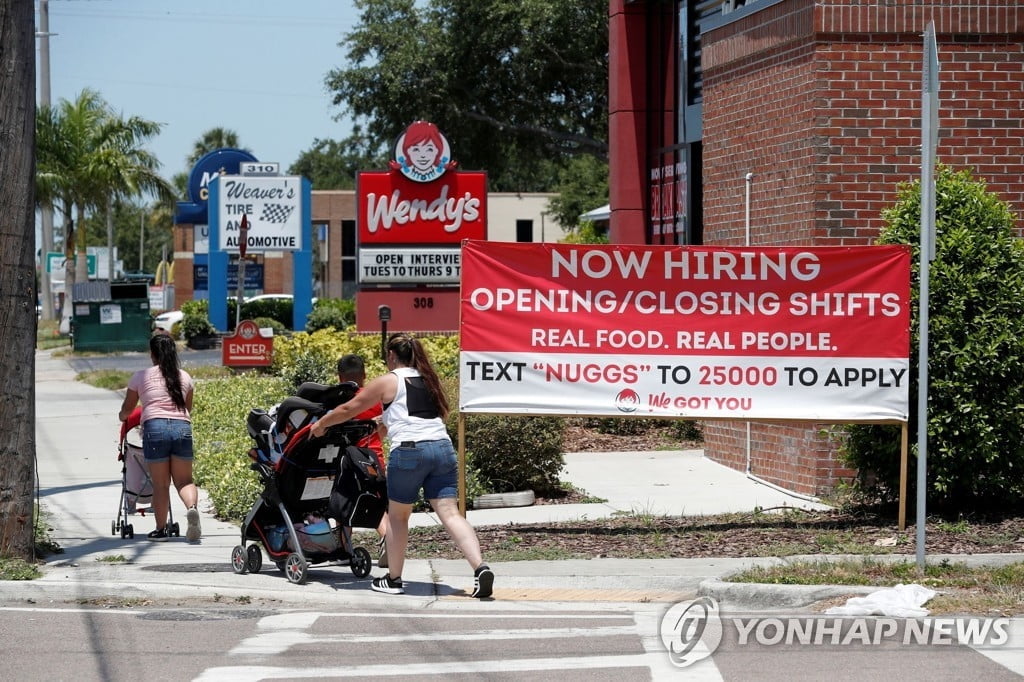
(428, 464)
(165, 438)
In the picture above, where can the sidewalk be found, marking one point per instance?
(80, 485)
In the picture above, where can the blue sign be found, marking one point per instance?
(253, 277)
(226, 160)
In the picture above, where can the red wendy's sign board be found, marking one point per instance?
(422, 309)
(392, 209)
(247, 347)
(807, 333)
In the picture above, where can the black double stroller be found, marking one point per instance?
(315, 490)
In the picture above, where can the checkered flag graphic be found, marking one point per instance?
(276, 213)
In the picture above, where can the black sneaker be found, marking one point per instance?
(483, 582)
(388, 585)
(159, 535)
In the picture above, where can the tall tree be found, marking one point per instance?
(330, 164)
(128, 170)
(86, 156)
(17, 277)
(128, 218)
(518, 86)
(214, 138)
(582, 186)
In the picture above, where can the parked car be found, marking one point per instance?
(167, 320)
(273, 297)
(268, 297)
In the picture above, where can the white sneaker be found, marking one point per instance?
(194, 531)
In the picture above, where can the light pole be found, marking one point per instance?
(46, 211)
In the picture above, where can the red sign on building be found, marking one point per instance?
(247, 347)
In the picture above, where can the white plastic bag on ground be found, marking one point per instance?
(901, 601)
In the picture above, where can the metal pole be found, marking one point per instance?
(749, 178)
(241, 290)
(929, 136)
(142, 238)
(110, 239)
(46, 211)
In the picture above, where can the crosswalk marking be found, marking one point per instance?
(484, 667)
(278, 633)
(274, 643)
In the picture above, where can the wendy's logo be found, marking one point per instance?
(422, 153)
(627, 400)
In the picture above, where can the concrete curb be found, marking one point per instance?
(772, 597)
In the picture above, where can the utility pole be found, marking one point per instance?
(46, 211)
(142, 238)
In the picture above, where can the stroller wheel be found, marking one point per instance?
(254, 559)
(113, 528)
(295, 568)
(130, 530)
(176, 530)
(238, 561)
(280, 565)
(360, 562)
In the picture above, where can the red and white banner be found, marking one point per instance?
(805, 333)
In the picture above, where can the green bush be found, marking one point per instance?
(338, 313)
(685, 429)
(279, 309)
(196, 325)
(516, 453)
(222, 442)
(325, 317)
(975, 426)
(624, 426)
(671, 429)
(270, 323)
(196, 307)
(314, 356)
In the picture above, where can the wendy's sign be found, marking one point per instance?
(422, 199)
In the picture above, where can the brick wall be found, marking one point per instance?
(821, 102)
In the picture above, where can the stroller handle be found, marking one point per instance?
(358, 427)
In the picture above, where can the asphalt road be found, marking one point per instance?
(552, 641)
(136, 361)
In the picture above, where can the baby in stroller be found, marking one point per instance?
(136, 483)
(292, 518)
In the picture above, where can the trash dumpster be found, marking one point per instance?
(110, 317)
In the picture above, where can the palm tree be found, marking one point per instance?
(214, 138)
(86, 156)
(65, 169)
(127, 170)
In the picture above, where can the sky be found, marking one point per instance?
(256, 67)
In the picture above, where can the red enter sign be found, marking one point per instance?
(247, 347)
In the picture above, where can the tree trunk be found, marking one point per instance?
(17, 277)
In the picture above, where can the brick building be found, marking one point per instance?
(803, 115)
